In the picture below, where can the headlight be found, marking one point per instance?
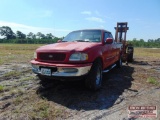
(78, 57)
(35, 55)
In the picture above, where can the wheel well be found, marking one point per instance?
(99, 59)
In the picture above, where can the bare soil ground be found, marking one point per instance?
(23, 96)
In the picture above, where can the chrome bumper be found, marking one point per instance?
(64, 71)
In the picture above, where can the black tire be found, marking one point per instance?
(41, 78)
(119, 62)
(94, 78)
(44, 81)
(130, 57)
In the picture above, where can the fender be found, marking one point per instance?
(94, 53)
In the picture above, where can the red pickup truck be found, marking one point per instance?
(81, 54)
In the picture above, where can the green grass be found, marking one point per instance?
(12, 74)
(2, 88)
(152, 80)
(28, 78)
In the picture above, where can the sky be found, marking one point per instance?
(60, 17)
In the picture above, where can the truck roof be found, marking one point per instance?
(92, 29)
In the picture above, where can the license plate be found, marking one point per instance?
(46, 71)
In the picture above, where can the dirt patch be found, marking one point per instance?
(22, 95)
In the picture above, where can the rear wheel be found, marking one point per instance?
(130, 57)
(94, 79)
(130, 51)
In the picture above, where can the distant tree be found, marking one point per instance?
(43, 36)
(20, 35)
(31, 35)
(141, 43)
(157, 40)
(39, 34)
(7, 32)
(141, 40)
(49, 36)
(34, 36)
(150, 40)
(13, 36)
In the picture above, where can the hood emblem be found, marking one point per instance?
(50, 56)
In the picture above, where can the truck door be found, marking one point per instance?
(107, 51)
(114, 50)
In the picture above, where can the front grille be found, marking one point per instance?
(51, 56)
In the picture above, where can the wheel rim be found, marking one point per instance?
(120, 62)
(98, 77)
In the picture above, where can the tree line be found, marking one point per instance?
(10, 37)
(147, 44)
(40, 38)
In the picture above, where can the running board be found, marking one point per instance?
(107, 70)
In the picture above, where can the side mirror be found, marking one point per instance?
(109, 40)
(59, 41)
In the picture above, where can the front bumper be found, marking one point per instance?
(61, 70)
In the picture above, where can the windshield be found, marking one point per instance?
(84, 36)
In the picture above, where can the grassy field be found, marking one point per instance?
(24, 52)
(17, 52)
(147, 52)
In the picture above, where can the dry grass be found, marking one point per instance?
(35, 107)
(26, 103)
(18, 100)
(153, 53)
(17, 52)
(151, 57)
(24, 52)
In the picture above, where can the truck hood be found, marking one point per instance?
(68, 46)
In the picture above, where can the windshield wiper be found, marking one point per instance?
(81, 40)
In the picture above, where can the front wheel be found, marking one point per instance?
(44, 81)
(94, 79)
(119, 62)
